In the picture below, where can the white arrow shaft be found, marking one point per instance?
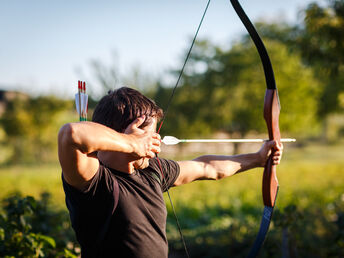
(233, 140)
(171, 140)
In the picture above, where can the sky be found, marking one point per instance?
(47, 46)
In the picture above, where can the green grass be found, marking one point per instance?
(33, 180)
(308, 174)
(299, 183)
(222, 217)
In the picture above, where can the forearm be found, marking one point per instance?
(218, 167)
(89, 137)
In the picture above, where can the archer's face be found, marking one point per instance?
(150, 127)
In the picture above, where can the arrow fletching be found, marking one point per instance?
(170, 140)
(81, 101)
(78, 100)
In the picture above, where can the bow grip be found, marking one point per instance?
(271, 116)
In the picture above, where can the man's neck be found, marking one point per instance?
(117, 161)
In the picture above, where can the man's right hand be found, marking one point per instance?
(146, 141)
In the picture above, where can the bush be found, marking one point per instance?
(295, 231)
(30, 228)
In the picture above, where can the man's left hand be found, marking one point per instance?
(268, 148)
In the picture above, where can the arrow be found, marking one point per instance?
(171, 140)
(81, 101)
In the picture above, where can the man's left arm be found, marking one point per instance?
(214, 167)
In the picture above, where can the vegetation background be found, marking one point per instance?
(221, 93)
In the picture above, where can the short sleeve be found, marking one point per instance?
(101, 184)
(169, 174)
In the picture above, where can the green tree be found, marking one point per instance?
(224, 91)
(321, 40)
(31, 126)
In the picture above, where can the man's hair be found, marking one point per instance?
(120, 107)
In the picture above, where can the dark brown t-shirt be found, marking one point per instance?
(123, 215)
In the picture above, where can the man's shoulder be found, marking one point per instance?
(156, 162)
(166, 170)
(159, 165)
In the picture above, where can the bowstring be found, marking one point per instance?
(165, 114)
(183, 67)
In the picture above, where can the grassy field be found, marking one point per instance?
(307, 174)
(221, 218)
(33, 180)
(310, 173)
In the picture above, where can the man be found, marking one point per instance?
(114, 185)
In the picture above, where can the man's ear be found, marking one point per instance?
(148, 121)
(137, 123)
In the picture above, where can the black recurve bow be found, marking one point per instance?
(271, 116)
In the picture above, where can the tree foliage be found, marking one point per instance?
(30, 228)
(223, 90)
(30, 126)
(321, 41)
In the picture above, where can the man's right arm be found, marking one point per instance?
(79, 142)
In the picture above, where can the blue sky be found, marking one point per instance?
(45, 46)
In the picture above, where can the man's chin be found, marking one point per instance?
(142, 163)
